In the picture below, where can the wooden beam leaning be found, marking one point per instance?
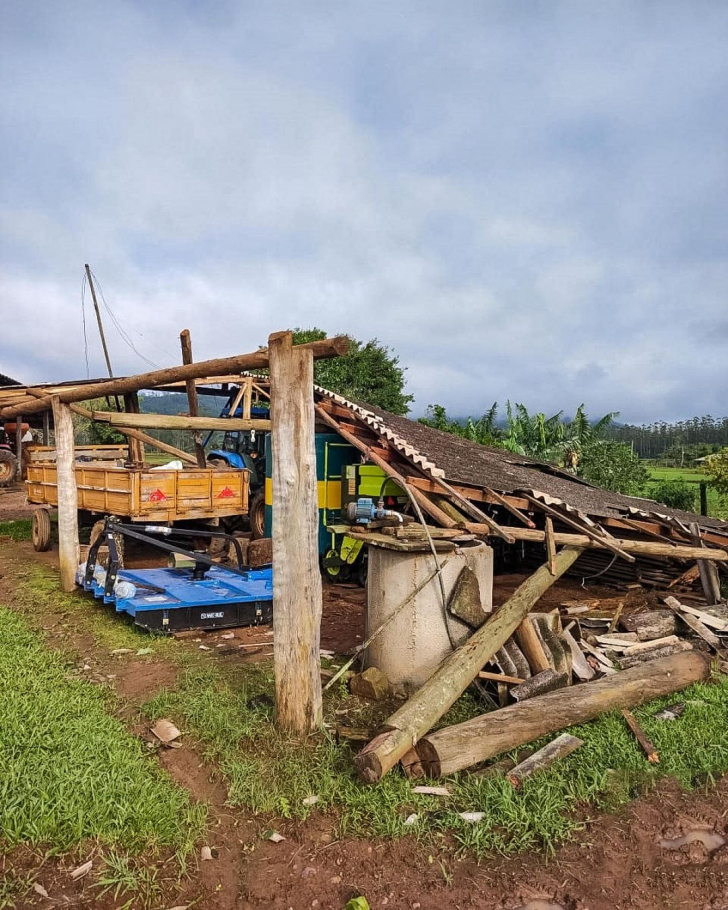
(297, 591)
(638, 547)
(68, 545)
(425, 504)
(473, 511)
(192, 400)
(326, 347)
(708, 573)
(462, 745)
(405, 727)
(178, 422)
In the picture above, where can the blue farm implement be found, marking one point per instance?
(203, 595)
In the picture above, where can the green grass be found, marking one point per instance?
(69, 770)
(269, 775)
(84, 614)
(717, 506)
(16, 530)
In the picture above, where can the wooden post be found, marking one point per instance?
(708, 573)
(550, 543)
(192, 400)
(297, 594)
(404, 728)
(136, 447)
(68, 546)
(46, 428)
(703, 497)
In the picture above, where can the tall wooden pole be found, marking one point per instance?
(192, 399)
(297, 594)
(68, 547)
(98, 319)
(46, 428)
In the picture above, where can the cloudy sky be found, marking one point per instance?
(524, 199)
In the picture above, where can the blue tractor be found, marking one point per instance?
(245, 449)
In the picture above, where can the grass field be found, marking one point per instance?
(71, 772)
(717, 507)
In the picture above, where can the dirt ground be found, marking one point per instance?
(617, 862)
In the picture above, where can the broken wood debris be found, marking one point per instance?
(558, 748)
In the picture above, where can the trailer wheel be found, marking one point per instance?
(41, 530)
(8, 467)
(256, 515)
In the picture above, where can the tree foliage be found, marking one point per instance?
(717, 467)
(369, 372)
(674, 493)
(613, 466)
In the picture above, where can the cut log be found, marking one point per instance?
(653, 654)
(650, 645)
(538, 684)
(179, 422)
(326, 347)
(695, 624)
(650, 624)
(455, 748)
(641, 737)
(455, 674)
(559, 748)
(530, 643)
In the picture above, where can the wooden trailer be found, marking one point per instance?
(138, 494)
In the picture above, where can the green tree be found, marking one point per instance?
(674, 493)
(370, 373)
(612, 466)
(717, 468)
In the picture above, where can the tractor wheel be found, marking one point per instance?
(336, 573)
(362, 569)
(8, 467)
(256, 515)
(41, 530)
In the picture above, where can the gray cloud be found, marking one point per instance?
(525, 201)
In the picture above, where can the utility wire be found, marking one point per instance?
(119, 328)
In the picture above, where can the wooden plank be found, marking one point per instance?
(501, 678)
(453, 676)
(695, 624)
(178, 422)
(579, 664)
(297, 593)
(638, 547)
(707, 619)
(559, 748)
(479, 494)
(708, 573)
(68, 543)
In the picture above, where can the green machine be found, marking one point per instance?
(341, 479)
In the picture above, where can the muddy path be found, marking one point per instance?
(617, 862)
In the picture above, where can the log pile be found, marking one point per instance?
(551, 670)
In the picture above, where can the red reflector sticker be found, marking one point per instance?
(157, 496)
(225, 493)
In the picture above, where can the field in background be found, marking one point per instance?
(693, 476)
